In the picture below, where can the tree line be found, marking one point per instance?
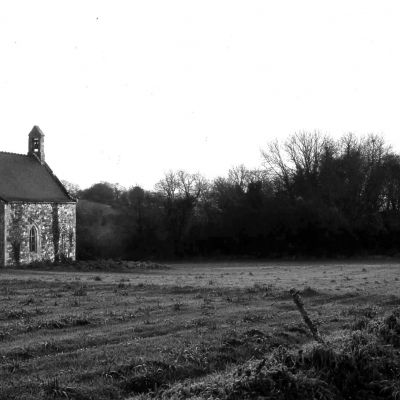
(312, 196)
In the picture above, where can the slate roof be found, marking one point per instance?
(24, 178)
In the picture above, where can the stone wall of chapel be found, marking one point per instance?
(56, 232)
(1, 234)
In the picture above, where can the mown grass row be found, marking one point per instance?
(58, 354)
(116, 381)
(361, 363)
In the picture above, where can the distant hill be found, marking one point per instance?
(99, 230)
(88, 206)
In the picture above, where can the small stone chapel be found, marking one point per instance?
(37, 215)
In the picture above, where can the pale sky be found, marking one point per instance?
(127, 90)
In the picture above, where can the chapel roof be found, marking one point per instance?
(25, 178)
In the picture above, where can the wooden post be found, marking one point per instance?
(299, 303)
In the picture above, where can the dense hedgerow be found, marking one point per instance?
(112, 265)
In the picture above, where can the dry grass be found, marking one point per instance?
(84, 335)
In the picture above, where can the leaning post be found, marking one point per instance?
(300, 306)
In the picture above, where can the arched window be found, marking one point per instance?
(33, 240)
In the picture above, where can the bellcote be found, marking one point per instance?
(36, 144)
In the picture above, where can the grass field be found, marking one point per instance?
(101, 335)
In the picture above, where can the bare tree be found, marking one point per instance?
(276, 165)
(169, 186)
(72, 188)
(305, 150)
(300, 155)
(239, 176)
(181, 184)
(182, 192)
(191, 185)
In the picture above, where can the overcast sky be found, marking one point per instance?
(127, 90)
